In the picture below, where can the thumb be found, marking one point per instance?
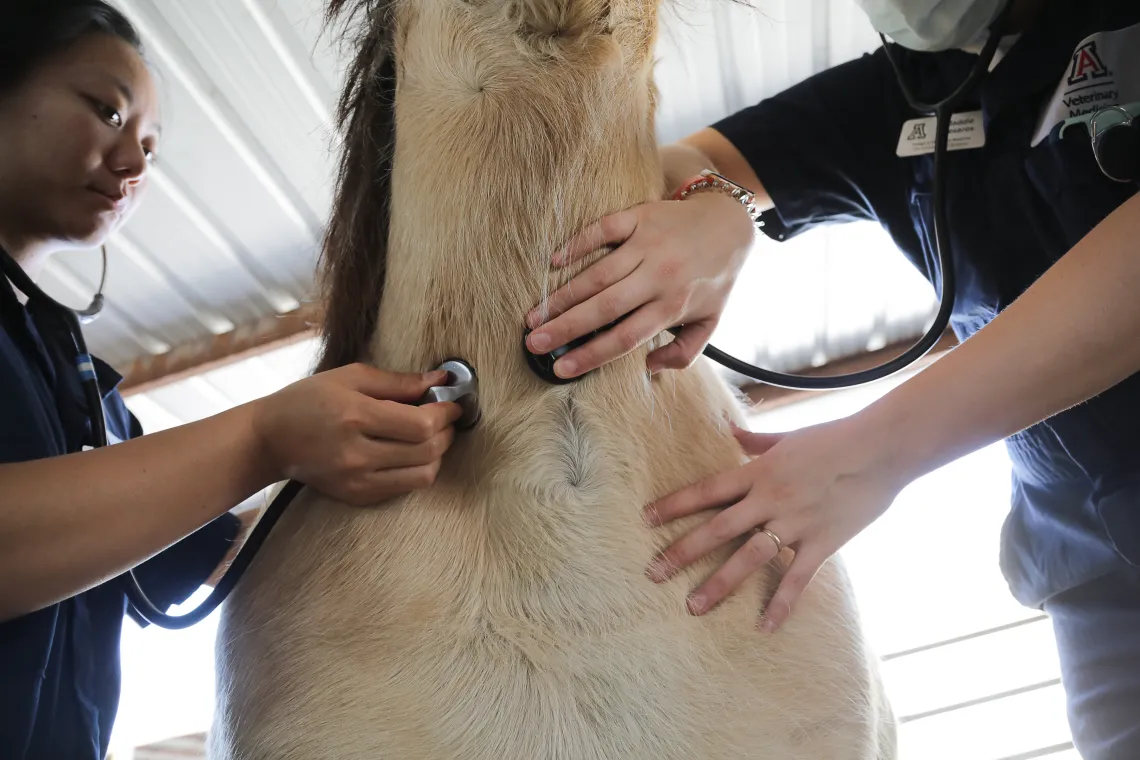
(405, 387)
(684, 348)
(755, 444)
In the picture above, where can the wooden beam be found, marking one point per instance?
(245, 341)
(769, 397)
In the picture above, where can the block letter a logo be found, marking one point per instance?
(1087, 64)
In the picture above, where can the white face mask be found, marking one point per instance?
(930, 25)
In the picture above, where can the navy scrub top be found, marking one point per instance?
(827, 151)
(59, 666)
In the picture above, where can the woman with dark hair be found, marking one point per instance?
(79, 127)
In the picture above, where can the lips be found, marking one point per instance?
(115, 200)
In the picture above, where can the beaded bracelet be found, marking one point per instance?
(710, 180)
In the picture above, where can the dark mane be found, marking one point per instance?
(355, 247)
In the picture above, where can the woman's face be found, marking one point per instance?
(77, 139)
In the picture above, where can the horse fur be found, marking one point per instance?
(503, 613)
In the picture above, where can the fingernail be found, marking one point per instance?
(436, 376)
(565, 367)
(657, 571)
(539, 341)
(697, 604)
(649, 515)
(558, 259)
(766, 625)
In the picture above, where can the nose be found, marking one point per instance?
(128, 161)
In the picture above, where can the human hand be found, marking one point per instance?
(676, 263)
(814, 488)
(353, 433)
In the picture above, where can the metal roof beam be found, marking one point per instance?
(190, 359)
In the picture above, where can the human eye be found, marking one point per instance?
(108, 113)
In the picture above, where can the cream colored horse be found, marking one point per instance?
(504, 613)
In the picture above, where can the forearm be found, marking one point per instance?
(69, 523)
(1070, 336)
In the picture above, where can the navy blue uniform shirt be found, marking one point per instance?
(59, 666)
(827, 150)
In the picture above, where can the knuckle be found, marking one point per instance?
(756, 551)
(708, 491)
(425, 428)
(352, 420)
(350, 461)
(426, 476)
(719, 527)
(434, 448)
(609, 225)
(599, 274)
(609, 306)
(627, 338)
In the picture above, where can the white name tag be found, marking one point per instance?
(917, 137)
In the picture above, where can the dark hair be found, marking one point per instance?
(33, 30)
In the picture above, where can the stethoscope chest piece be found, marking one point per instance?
(462, 387)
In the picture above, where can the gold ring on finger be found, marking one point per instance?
(773, 536)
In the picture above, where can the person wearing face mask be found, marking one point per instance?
(1044, 228)
(79, 127)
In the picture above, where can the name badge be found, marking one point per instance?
(917, 137)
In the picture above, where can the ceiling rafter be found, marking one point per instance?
(198, 356)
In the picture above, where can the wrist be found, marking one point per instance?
(709, 182)
(864, 450)
(254, 445)
(679, 163)
(901, 434)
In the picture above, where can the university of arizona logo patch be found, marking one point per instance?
(1087, 65)
(1104, 70)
